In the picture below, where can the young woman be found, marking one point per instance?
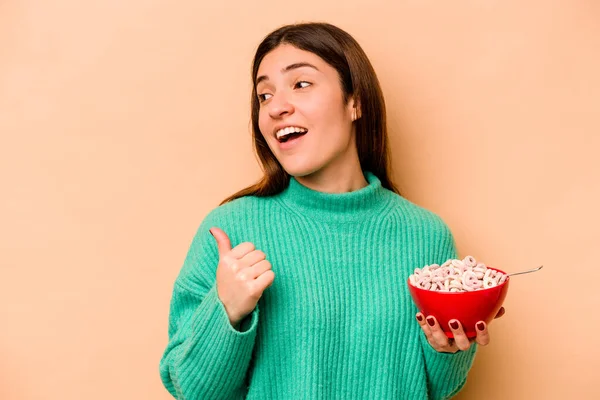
(295, 288)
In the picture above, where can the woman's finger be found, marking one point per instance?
(460, 338)
(426, 330)
(500, 313)
(438, 335)
(483, 336)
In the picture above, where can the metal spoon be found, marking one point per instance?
(526, 272)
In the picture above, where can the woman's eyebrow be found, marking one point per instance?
(287, 69)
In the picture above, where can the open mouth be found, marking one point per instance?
(292, 136)
(290, 133)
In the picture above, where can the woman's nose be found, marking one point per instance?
(280, 106)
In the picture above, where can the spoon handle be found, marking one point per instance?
(526, 272)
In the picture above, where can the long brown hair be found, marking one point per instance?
(358, 80)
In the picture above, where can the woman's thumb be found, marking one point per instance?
(223, 242)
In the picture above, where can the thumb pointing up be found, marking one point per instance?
(223, 242)
(242, 275)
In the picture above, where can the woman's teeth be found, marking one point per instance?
(282, 133)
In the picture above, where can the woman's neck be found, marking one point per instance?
(335, 180)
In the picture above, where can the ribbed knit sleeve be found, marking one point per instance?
(205, 358)
(446, 372)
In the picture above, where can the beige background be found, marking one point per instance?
(123, 123)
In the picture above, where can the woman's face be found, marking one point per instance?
(298, 89)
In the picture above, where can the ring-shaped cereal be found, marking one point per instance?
(457, 276)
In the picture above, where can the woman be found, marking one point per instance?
(300, 292)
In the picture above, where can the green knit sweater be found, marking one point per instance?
(338, 321)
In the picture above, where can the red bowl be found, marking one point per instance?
(467, 307)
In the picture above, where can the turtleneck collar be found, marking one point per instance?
(339, 207)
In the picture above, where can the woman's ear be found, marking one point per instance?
(355, 107)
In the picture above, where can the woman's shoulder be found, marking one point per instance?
(237, 217)
(417, 215)
(232, 207)
(245, 206)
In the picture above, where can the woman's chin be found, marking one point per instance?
(299, 171)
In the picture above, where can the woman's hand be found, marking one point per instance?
(440, 342)
(243, 274)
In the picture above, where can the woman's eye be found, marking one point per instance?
(263, 97)
(303, 84)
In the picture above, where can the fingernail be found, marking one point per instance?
(481, 326)
(454, 325)
(211, 233)
(430, 321)
(419, 318)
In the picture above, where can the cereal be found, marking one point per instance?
(464, 275)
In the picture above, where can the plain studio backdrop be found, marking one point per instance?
(123, 123)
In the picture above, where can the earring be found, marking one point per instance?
(354, 114)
